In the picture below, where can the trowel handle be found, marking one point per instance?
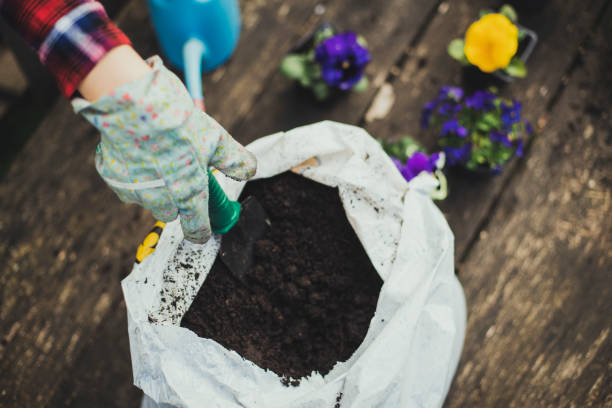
(223, 212)
(194, 51)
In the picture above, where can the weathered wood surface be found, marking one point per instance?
(561, 27)
(283, 105)
(27, 90)
(538, 282)
(101, 375)
(66, 241)
(12, 81)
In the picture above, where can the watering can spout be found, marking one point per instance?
(216, 23)
(194, 52)
(196, 35)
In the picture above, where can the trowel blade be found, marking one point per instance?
(237, 245)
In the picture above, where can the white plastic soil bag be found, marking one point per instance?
(412, 346)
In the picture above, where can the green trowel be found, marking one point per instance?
(241, 225)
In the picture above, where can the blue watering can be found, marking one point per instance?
(196, 36)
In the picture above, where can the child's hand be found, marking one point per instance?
(156, 147)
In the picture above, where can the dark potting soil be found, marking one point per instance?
(312, 289)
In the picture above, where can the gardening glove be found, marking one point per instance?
(156, 147)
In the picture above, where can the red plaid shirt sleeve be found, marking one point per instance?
(70, 36)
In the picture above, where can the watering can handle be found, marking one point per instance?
(193, 54)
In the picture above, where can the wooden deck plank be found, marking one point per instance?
(538, 281)
(65, 238)
(66, 242)
(561, 25)
(102, 374)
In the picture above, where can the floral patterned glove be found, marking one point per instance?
(156, 147)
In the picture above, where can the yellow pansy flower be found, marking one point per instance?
(491, 42)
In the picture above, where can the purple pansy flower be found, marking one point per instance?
(449, 109)
(447, 103)
(453, 126)
(342, 60)
(519, 148)
(500, 137)
(397, 162)
(416, 164)
(451, 92)
(428, 109)
(496, 169)
(461, 121)
(511, 114)
(480, 100)
(456, 155)
(436, 162)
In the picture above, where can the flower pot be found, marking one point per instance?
(530, 6)
(328, 63)
(526, 46)
(419, 319)
(304, 44)
(479, 173)
(473, 79)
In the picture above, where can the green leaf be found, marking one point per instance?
(521, 34)
(293, 66)
(362, 41)
(486, 143)
(402, 149)
(312, 70)
(362, 85)
(390, 148)
(484, 12)
(509, 12)
(322, 35)
(320, 90)
(455, 50)
(516, 68)
(409, 146)
(492, 119)
(483, 126)
(384, 145)
(305, 81)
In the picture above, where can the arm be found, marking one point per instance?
(156, 145)
(71, 37)
(119, 66)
